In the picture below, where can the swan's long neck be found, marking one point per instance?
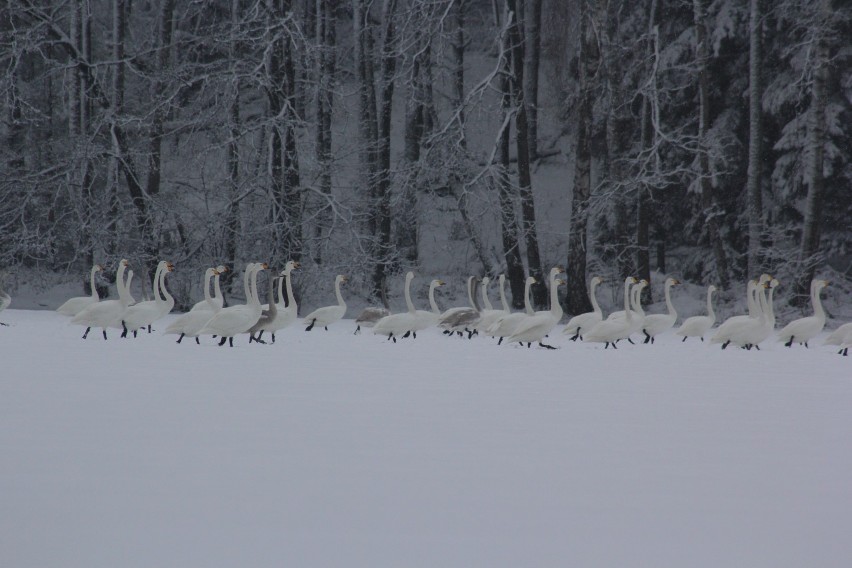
(710, 311)
(595, 306)
(246, 282)
(528, 309)
(636, 299)
(485, 301)
(124, 292)
(217, 292)
(503, 301)
(628, 313)
(817, 303)
(761, 305)
(92, 283)
(273, 308)
(156, 289)
(123, 297)
(408, 302)
(255, 301)
(669, 305)
(432, 303)
(337, 293)
(281, 287)
(207, 298)
(555, 306)
(168, 300)
(751, 296)
(291, 299)
(470, 293)
(770, 310)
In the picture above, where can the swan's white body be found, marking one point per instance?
(328, 315)
(655, 324)
(286, 313)
(579, 323)
(611, 330)
(215, 302)
(424, 319)
(803, 330)
(489, 315)
(505, 325)
(537, 326)
(753, 289)
(839, 335)
(144, 314)
(190, 323)
(107, 313)
(637, 313)
(234, 320)
(456, 320)
(697, 326)
(399, 324)
(74, 306)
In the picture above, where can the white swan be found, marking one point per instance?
(611, 330)
(74, 306)
(143, 314)
(839, 335)
(208, 304)
(489, 315)
(329, 314)
(750, 332)
(234, 320)
(427, 318)
(655, 324)
(803, 330)
(286, 313)
(398, 324)
(581, 322)
(454, 320)
(372, 314)
(537, 326)
(753, 289)
(697, 326)
(5, 301)
(505, 325)
(190, 323)
(637, 313)
(107, 313)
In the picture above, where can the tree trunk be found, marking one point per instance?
(119, 31)
(809, 254)
(539, 294)
(326, 38)
(532, 53)
(711, 212)
(647, 143)
(755, 140)
(578, 297)
(232, 222)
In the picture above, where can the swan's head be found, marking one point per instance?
(170, 267)
(822, 283)
(99, 268)
(409, 276)
(774, 283)
(124, 262)
(263, 266)
(557, 270)
(764, 278)
(630, 280)
(711, 288)
(485, 281)
(560, 282)
(222, 269)
(672, 282)
(342, 279)
(291, 265)
(597, 280)
(531, 280)
(439, 282)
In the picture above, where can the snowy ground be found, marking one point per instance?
(328, 449)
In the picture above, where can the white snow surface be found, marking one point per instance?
(329, 449)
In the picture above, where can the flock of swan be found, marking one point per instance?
(210, 317)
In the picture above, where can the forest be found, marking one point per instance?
(704, 138)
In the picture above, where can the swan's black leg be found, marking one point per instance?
(757, 347)
(87, 332)
(470, 333)
(357, 330)
(149, 328)
(124, 333)
(326, 328)
(806, 345)
(197, 341)
(576, 335)
(414, 333)
(394, 339)
(222, 341)
(631, 341)
(105, 337)
(500, 341)
(790, 343)
(652, 340)
(460, 334)
(547, 346)
(4, 324)
(259, 335)
(231, 341)
(684, 339)
(846, 352)
(135, 331)
(407, 334)
(180, 338)
(702, 339)
(724, 345)
(647, 337)
(273, 337)
(310, 327)
(446, 332)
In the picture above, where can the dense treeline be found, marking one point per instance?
(709, 137)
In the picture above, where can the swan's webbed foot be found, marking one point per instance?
(310, 327)
(273, 337)
(702, 339)
(447, 332)
(4, 324)
(529, 344)
(123, 333)
(222, 341)
(135, 331)
(789, 343)
(576, 335)
(87, 332)
(407, 334)
(652, 340)
(414, 334)
(394, 339)
(647, 337)
(460, 334)
(546, 346)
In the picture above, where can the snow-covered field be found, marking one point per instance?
(328, 449)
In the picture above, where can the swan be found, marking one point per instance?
(458, 319)
(329, 314)
(697, 326)
(5, 300)
(144, 314)
(107, 313)
(399, 324)
(489, 315)
(753, 289)
(286, 313)
(267, 314)
(804, 329)
(192, 321)
(750, 332)
(74, 306)
(655, 324)
(234, 320)
(537, 326)
(637, 312)
(839, 335)
(505, 325)
(578, 323)
(611, 330)
(372, 314)
(427, 318)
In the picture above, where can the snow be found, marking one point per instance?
(328, 449)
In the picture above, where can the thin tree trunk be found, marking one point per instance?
(707, 201)
(809, 254)
(539, 293)
(119, 30)
(326, 37)
(232, 222)
(578, 297)
(532, 53)
(647, 142)
(755, 140)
